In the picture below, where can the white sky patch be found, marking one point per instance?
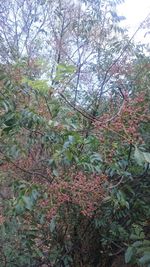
(135, 12)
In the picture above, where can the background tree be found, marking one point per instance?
(74, 150)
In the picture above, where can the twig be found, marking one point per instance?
(116, 185)
(26, 171)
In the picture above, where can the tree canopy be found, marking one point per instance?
(74, 136)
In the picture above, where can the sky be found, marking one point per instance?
(135, 12)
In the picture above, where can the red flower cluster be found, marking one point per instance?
(126, 124)
(82, 191)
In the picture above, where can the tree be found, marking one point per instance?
(74, 148)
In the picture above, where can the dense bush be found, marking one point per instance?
(74, 159)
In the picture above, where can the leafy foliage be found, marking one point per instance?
(74, 150)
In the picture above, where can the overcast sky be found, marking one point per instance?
(135, 12)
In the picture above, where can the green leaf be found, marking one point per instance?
(63, 71)
(137, 243)
(69, 155)
(55, 172)
(6, 130)
(128, 254)
(95, 157)
(38, 252)
(19, 207)
(138, 155)
(145, 259)
(146, 157)
(141, 156)
(41, 85)
(34, 194)
(28, 202)
(52, 225)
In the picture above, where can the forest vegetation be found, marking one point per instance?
(74, 136)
